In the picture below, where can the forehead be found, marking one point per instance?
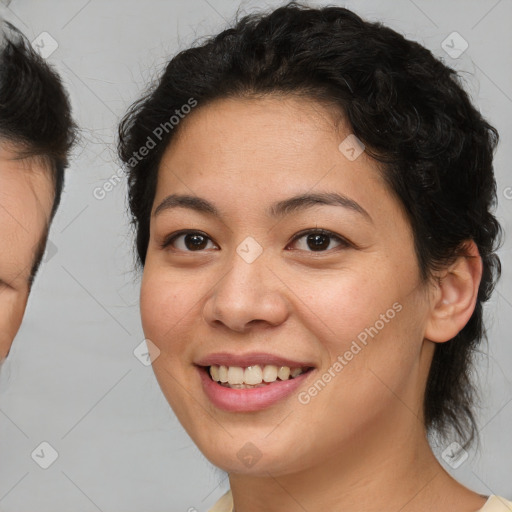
(264, 147)
(269, 125)
(26, 199)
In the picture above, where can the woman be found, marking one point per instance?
(312, 196)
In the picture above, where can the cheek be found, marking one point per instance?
(12, 307)
(168, 304)
(370, 327)
(171, 313)
(340, 306)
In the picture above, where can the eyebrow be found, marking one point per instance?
(305, 201)
(280, 209)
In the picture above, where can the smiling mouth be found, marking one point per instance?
(255, 376)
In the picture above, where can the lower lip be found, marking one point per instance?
(250, 399)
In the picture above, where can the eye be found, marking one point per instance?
(312, 240)
(319, 240)
(188, 241)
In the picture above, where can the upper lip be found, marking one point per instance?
(249, 359)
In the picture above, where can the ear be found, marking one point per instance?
(454, 296)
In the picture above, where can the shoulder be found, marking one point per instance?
(494, 504)
(225, 504)
(497, 504)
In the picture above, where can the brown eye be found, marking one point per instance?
(190, 241)
(319, 241)
(195, 242)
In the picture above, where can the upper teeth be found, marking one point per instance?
(252, 375)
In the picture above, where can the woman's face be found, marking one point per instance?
(297, 257)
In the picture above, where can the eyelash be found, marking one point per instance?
(344, 243)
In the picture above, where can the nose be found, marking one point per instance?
(249, 294)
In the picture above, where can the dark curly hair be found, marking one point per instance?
(406, 106)
(35, 113)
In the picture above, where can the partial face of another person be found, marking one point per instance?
(255, 275)
(26, 199)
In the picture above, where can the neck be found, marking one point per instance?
(368, 474)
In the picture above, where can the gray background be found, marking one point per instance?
(71, 378)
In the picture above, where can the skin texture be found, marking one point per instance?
(26, 197)
(360, 443)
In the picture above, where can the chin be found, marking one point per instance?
(253, 455)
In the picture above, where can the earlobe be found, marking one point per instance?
(455, 295)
